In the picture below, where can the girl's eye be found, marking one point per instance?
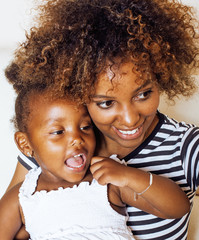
(87, 127)
(58, 132)
(143, 95)
(105, 104)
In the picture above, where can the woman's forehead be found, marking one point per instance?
(115, 69)
(116, 72)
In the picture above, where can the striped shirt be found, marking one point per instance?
(172, 151)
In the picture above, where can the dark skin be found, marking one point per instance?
(22, 234)
(12, 194)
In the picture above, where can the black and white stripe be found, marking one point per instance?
(171, 151)
(27, 162)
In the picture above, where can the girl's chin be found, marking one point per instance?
(77, 169)
(76, 179)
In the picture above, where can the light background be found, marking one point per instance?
(14, 18)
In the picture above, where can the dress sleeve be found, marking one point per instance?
(27, 162)
(190, 157)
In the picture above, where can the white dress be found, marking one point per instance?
(82, 212)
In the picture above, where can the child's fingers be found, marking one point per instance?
(96, 166)
(96, 159)
(99, 172)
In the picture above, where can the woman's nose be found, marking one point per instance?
(128, 116)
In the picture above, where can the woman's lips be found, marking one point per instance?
(128, 134)
(76, 162)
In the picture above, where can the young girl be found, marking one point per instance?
(118, 57)
(60, 199)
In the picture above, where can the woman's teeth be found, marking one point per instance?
(129, 132)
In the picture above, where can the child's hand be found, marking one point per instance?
(107, 170)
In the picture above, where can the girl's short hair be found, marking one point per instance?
(25, 97)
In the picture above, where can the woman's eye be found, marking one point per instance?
(58, 132)
(105, 104)
(143, 95)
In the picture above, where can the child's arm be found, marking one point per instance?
(163, 198)
(10, 218)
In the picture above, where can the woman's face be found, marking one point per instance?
(123, 110)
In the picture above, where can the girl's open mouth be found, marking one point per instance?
(77, 162)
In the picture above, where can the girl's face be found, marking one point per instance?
(123, 110)
(62, 139)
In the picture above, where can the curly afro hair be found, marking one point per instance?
(73, 40)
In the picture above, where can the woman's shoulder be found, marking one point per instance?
(172, 125)
(11, 196)
(178, 131)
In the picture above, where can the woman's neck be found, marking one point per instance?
(108, 148)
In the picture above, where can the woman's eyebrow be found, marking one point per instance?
(111, 97)
(101, 96)
(143, 85)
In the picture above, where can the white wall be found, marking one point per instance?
(14, 17)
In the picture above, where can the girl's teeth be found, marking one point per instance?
(78, 155)
(129, 132)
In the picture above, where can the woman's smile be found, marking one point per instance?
(127, 134)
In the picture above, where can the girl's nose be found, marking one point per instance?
(77, 141)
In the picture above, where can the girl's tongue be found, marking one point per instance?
(75, 161)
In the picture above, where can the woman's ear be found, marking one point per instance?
(23, 144)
